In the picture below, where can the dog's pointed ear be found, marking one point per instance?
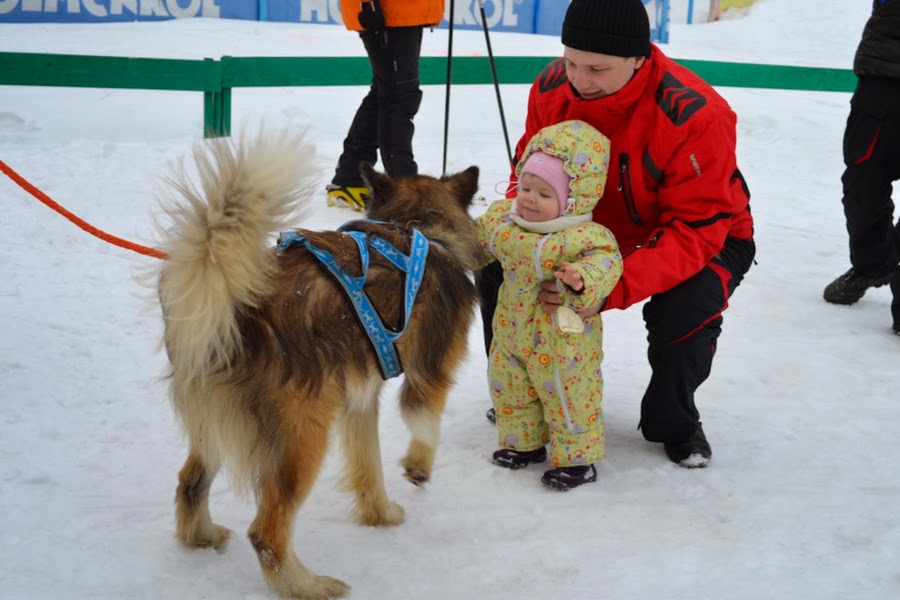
(466, 184)
(381, 185)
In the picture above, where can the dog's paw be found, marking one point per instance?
(309, 586)
(327, 587)
(387, 514)
(394, 515)
(418, 462)
(214, 536)
(416, 476)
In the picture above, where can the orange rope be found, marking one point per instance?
(116, 241)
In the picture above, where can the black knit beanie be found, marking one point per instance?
(614, 27)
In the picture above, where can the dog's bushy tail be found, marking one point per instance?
(219, 241)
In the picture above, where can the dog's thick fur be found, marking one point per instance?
(267, 355)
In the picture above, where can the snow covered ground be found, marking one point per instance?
(800, 500)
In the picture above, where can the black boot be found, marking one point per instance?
(513, 459)
(692, 453)
(852, 285)
(491, 415)
(564, 479)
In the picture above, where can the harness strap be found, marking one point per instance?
(383, 340)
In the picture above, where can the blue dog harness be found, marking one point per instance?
(382, 339)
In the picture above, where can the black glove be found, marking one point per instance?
(370, 16)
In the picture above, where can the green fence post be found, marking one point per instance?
(212, 121)
(226, 96)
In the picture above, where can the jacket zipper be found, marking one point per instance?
(627, 192)
(648, 244)
(655, 239)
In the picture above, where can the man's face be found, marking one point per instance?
(596, 75)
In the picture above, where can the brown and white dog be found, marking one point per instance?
(267, 353)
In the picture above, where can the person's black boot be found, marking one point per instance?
(692, 453)
(512, 459)
(852, 285)
(564, 479)
(491, 415)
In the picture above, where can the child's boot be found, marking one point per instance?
(564, 479)
(513, 459)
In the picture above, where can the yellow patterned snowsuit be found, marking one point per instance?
(547, 385)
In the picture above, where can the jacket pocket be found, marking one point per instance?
(627, 190)
(860, 137)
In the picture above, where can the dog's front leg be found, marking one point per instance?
(363, 474)
(422, 415)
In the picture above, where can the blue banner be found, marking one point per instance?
(522, 16)
(110, 11)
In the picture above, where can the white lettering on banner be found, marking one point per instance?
(499, 12)
(152, 8)
(180, 13)
(94, 8)
(146, 8)
(116, 6)
(33, 6)
(502, 10)
(210, 9)
(322, 10)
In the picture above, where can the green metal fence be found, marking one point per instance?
(216, 78)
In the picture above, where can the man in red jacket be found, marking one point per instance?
(675, 200)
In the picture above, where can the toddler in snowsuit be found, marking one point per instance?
(544, 370)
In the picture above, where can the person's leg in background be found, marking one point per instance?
(360, 145)
(395, 64)
(487, 281)
(867, 201)
(872, 163)
(384, 120)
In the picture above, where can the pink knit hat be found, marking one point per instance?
(553, 171)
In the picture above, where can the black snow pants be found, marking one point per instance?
(872, 164)
(384, 119)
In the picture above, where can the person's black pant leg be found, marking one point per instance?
(396, 69)
(384, 119)
(872, 163)
(683, 326)
(361, 142)
(487, 281)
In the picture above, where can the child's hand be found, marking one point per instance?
(570, 277)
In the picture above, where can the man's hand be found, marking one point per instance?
(370, 16)
(549, 296)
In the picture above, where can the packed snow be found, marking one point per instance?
(800, 499)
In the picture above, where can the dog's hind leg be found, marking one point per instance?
(280, 493)
(194, 526)
(363, 473)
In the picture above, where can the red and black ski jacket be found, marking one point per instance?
(674, 192)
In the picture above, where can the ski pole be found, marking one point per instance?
(449, 70)
(487, 39)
